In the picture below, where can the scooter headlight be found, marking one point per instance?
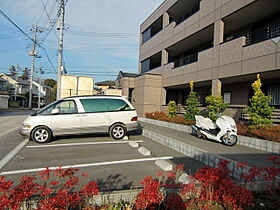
(233, 127)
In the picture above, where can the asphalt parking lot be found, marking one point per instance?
(113, 164)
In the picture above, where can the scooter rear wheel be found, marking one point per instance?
(229, 141)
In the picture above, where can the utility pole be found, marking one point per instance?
(39, 93)
(16, 87)
(60, 27)
(33, 53)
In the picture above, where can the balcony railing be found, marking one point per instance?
(188, 59)
(269, 31)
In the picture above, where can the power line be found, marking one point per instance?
(49, 20)
(35, 42)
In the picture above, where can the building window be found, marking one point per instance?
(152, 30)
(274, 92)
(184, 59)
(227, 97)
(147, 35)
(145, 65)
(151, 63)
(265, 30)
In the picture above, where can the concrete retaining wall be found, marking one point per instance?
(209, 159)
(264, 145)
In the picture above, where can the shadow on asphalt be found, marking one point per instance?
(132, 133)
(114, 182)
(190, 165)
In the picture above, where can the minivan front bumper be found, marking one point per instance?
(24, 132)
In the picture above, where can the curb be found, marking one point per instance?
(259, 144)
(116, 196)
(206, 157)
(164, 165)
(144, 151)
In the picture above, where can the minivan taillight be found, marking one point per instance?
(133, 119)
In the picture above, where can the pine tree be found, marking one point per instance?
(259, 109)
(192, 104)
(13, 70)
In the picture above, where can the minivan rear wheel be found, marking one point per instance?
(41, 134)
(117, 131)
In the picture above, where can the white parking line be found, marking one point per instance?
(83, 143)
(85, 165)
(11, 154)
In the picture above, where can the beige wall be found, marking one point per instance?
(148, 94)
(223, 61)
(115, 92)
(211, 11)
(74, 85)
(4, 101)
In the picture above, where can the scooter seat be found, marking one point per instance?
(208, 122)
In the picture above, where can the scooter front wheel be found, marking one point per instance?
(229, 140)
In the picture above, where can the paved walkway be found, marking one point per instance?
(238, 153)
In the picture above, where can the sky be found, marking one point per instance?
(101, 37)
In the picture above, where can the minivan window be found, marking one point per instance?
(65, 107)
(104, 105)
(117, 105)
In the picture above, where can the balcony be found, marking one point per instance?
(152, 30)
(264, 33)
(182, 10)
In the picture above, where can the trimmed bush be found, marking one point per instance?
(172, 109)
(14, 104)
(215, 106)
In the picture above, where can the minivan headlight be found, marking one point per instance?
(26, 126)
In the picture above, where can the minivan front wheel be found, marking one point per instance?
(117, 131)
(41, 134)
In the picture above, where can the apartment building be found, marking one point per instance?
(219, 44)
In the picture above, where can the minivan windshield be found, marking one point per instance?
(40, 111)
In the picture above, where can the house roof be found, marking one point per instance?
(1, 79)
(126, 74)
(106, 83)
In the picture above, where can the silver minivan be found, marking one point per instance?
(81, 115)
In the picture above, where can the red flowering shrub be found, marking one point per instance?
(151, 196)
(209, 188)
(173, 201)
(51, 194)
(163, 117)
(242, 129)
(271, 133)
(215, 187)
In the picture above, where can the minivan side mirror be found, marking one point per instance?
(55, 111)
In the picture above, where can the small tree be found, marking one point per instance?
(259, 109)
(25, 74)
(172, 109)
(191, 104)
(215, 106)
(13, 70)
